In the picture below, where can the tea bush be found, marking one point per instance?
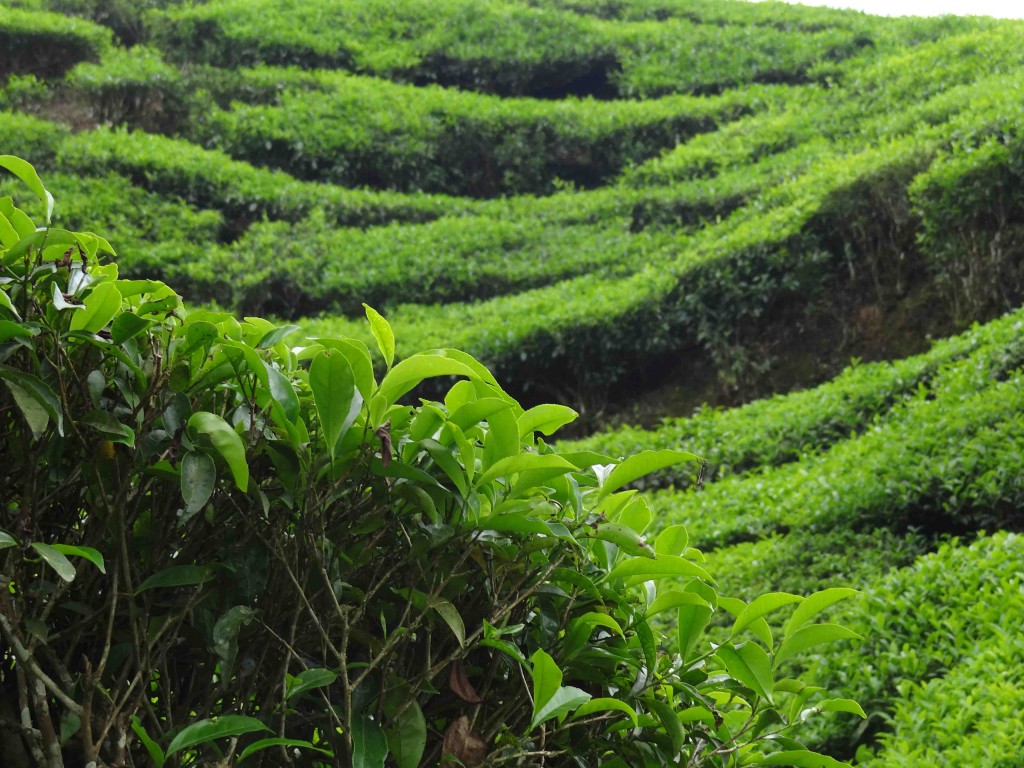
(47, 44)
(133, 86)
(222, 540)
(785, 428)
(928, 636)
(362, 131)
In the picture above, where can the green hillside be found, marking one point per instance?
(689, 214)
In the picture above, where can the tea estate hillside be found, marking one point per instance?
(787, 239)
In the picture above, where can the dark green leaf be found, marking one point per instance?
(177, 576)
(369, 744)
(209, 730)
(309, 679)
(198, 478)
(407, 737)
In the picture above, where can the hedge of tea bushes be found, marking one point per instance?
(969, 716)
(941, 650)
(47, 44)
(971, 204)
(772, 14)
(312, 266)
(700, 287)
(362, 131)
(938, 670)
(505, 48)
(134, 86)
(784, 428)
(502, 248)
(948, 460)
(28, 136)
(210, 179)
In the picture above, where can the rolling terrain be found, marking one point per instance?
(636, 207)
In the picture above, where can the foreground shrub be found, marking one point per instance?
(218, 546)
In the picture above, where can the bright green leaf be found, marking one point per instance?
(545, 419)
(642, 464)
(90, 554)
(102, 303)
(382, 333)
(812, 605)
(337, 400)
(24, 171)
(761, 606)
(808, 637)
(226, 441)
(751, 666)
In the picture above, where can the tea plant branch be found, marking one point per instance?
(27, 659)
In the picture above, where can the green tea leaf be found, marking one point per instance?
(801, 759)
(761, 606)
(177, 576)
(112, 429)
(309, 679)
(35, 414)
(32, 388)
(226, 441)
(407, 737)
(381, 330)
(6, 540)
(673, 598)
(100, 307)
(671, 723)
(672, 541)
(642, 464)
(808, 637)
(413, 370)
(840, 705)
(369, 744)
(814, 604)
(261, 744)
(751, 666)
(24, 171)
(605, 704)
(659, 568)
(90, 554)
(156, 755)
(524, 462)
(565, 699)
(545, 419)
(547, 679)
(56, 560)
(205, 731)
(273, 337)
(451, 617)
(225, 638)
(337, 400)
(691, 622)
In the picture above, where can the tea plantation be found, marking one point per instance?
(788, 240)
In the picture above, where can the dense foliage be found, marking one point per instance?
(635, 206)
(222, 540)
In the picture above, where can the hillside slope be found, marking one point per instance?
(636, 206)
